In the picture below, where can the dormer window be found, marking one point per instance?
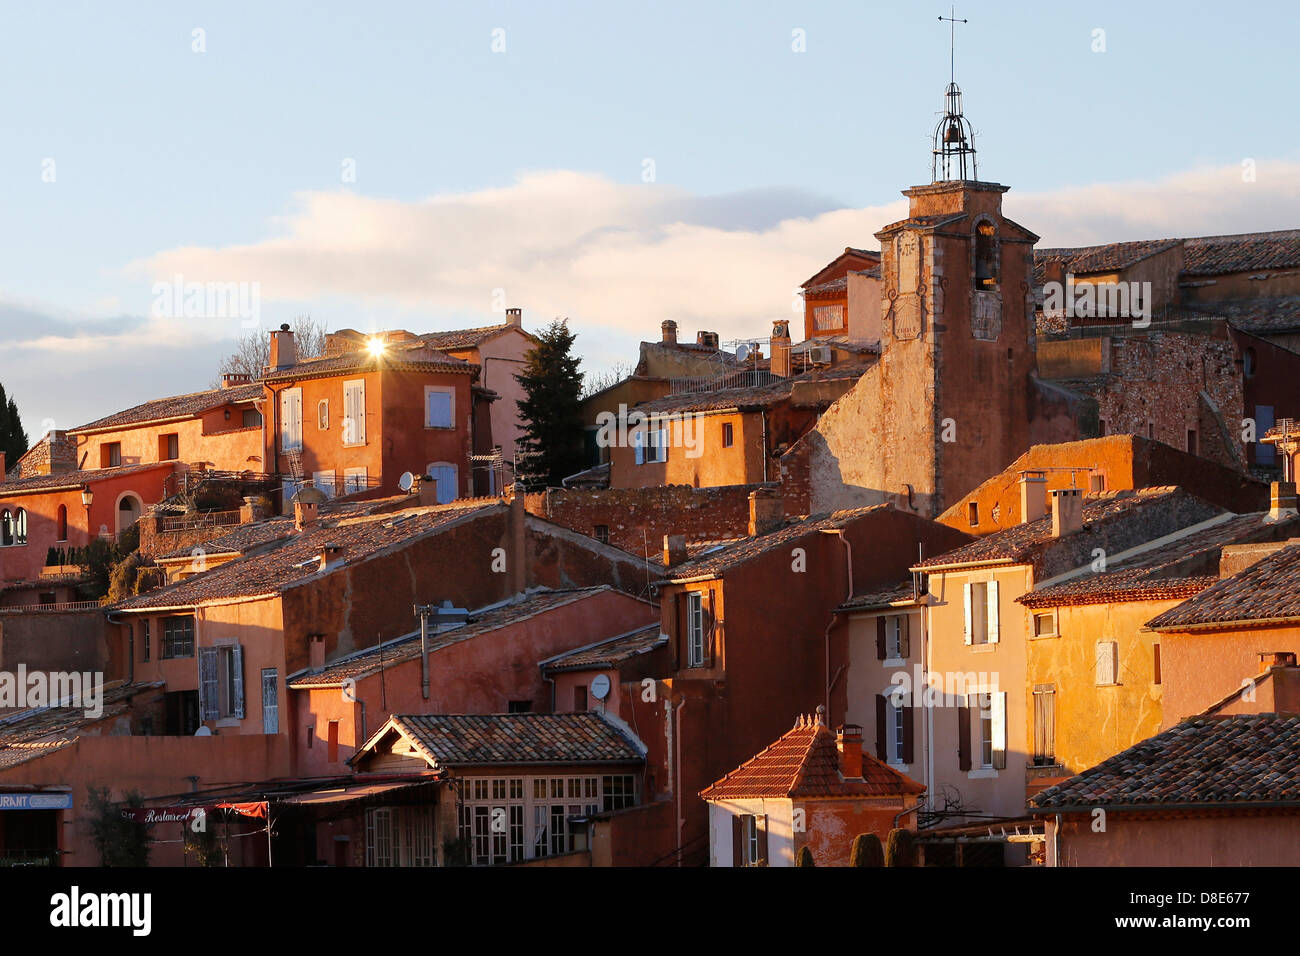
(986, 258)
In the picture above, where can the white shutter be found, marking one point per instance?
(992, 591)
(291, 419)
(354, 413)
(663, 445)
(237, 691)
(208, 692)
(1106, 670)
(637, 447)
(999, 705)
(966, 594)
(270, 702)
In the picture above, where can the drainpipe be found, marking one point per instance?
(677, 781)
(422, 611)
(848, 556)
(928, 711)
(763, 414)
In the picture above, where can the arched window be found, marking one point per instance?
(62, 523)
(20, 526)
(444, 474)
(986, 257)
(6, 528)
(1248, 363)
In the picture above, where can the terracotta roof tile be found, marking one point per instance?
(466, 338)
(1245, 252)
(1257, 316)
(609, 653)
(1205, 761)
(400, 357)
(464, 740)
(73, 480)
(774, 393)
(805, 763)
(1110, 257)
(1267, 590)
(178, 406)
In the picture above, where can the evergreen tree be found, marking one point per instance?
(900, 849)
(551, 447)
(867, 851)
(805, 857)
(13, 439)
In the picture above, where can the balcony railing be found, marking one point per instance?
(46, 608)
(211, 519)
(743, 378)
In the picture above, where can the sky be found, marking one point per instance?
(427, 165)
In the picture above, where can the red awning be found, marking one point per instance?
(180, 813)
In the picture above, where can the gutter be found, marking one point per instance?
(966, 566)
(1160, 807)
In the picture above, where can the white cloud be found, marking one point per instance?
(625, 257)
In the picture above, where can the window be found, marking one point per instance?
(728, 437)
(270, 701)
(354, 480)
(332, 740)
(110, 455)
(1265, 418)
(354, 412)
(891, 637)
(439, 407)
(749, 829)
(146, 644)
(651, 446)
(6, 528)
(504, 820)
(252, 418)
(1151, 430)
(896, 718)
(986, 257)
(990, 728)
(61, 523)
(1101, 426)
(1044, 624)
(221, 682)
(291, 419)
(1191, 441)
(695, 629)
(1107, 663)
(601, 533)
(323, 415)
(443, 475)
(1096, 484)
(973, 514)
(169, 447)
(400, 836)
(519, 707)
(1044, 725)
(748, 839)
(619, 791)
(1248, 363)
(1155, 663)
(178, 637)
(181, 713)
(981, 612)
(323, 481)
(20, 526)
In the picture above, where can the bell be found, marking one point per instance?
(954, 133)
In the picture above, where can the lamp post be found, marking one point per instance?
(87, 499)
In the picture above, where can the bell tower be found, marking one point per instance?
(957, 336)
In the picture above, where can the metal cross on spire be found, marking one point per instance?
(952, 41)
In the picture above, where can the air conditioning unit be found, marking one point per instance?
(819, 355)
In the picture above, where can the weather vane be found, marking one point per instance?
(952, 41)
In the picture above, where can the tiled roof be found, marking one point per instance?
(609, 653)
(400, 357)
(245, 538)
(924, 222)
(753, 397)
(407, 647)
(805, 763)
(1268, 590)
(47, 725)
(465, 338)
(464, 740)
(1245, 252)
(1203, 762)
(1024, 543)
(901, 595)
(714, 563)
(294, 561)
(178, 406)
(1180, 569)
(1110, 257)
(1257, 316)
(833, 288)
(73, 480)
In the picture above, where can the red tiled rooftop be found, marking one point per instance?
(175, 407)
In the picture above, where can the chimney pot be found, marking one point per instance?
(515, 317)
(316, 651)
(1282, 500)
(1067, 511)
(1033, 495)
(304, 514)
(284, 352)
(674, 549)
(848, 740)
(780, 342)
(1270, 659)
(766, 511)
(669, 329)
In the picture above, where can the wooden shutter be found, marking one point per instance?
(237, 690)
(354, 412)
(679, 637)
(761, 823)
(966, 595)
(992, 592)
(904, 642)
(881, 638)
(882, 726)
(709, 632)
(998, 704)
(963, 735)
(208, 693)
(737, 839)
(908, 716)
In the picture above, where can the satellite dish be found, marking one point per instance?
(407, 481)
(203, 732)
(742, 353)
(600, 687)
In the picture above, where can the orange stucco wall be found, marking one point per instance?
(1202, 667)
(1180, 841)
(696, 454)
(209, 440)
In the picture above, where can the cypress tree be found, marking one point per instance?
(550, 448)
(867, 851)
(900, 849)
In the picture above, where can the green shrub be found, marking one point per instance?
(900, 849)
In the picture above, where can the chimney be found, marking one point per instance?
(515, 317)
(848, 739)
(669, 329)
(316, 651)
(781, 348)
(283, 351)
(304, 514)
(253, 509)
(330, 555)
(1281, 500)
(674, 550)
(235, 379)
(1033, 495)
(766, 511)
(3, 467)
(1067, 511)
(1271, 659)
(707, 339)
(1054, 271)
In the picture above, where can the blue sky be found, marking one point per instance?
(522, 170)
